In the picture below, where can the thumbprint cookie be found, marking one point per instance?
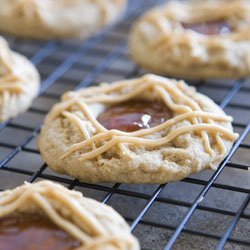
(48, 216)
(194, 39)
(145, 130)
(19, 82)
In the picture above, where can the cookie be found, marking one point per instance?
(49, 215)
(145, 130)
(57, 18)
(19, 82)
(194, 39)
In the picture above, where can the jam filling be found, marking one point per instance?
(33, 232)
(219, 27)
(135, 115)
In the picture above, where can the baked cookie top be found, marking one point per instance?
(58, 219)
(19, 82)
(57, 18)
(194, 39)
(157, 130)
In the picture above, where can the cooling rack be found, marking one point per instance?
(209, 210)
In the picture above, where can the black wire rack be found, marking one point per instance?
(209, 210)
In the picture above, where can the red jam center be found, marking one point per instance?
(218, 27)
(33, 232)
(134, 115)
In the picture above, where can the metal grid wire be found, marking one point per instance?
(205, 211)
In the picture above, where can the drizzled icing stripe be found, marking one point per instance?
(147, 142)
(176, 95)
(50, 198)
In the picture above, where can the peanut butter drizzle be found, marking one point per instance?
(10, 80)
(39, 197)
(171, 92)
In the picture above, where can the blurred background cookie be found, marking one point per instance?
(145, 130)
(57, 18)
(194, 39)
(19, 82)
